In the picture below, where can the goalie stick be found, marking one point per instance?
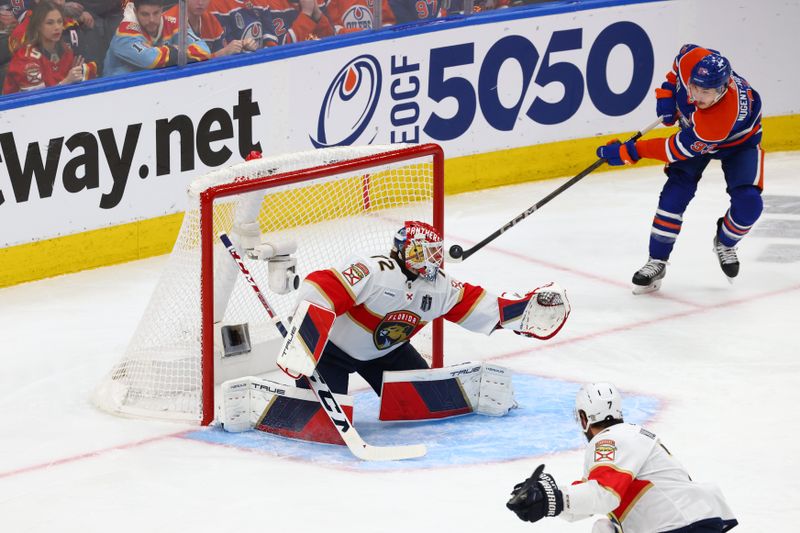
(457, 254)
(348, 432)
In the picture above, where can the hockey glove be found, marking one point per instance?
(666, 108)
(536, 497)
(616, 153)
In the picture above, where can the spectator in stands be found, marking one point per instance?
(99, 20)
(249, 22)
(45, 60)
(73, 34)
(414, 10)
(206, 26)
(7, 23)
(348, 16)
(149, 41)
(299, 20)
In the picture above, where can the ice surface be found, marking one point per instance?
(714, 369)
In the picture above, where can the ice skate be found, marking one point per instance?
(727, 257)
(648, 278)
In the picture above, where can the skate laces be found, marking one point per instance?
(652, 267)
(727, 255)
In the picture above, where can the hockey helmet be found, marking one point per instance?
(419, 247)
(599, 402)
(711, 72)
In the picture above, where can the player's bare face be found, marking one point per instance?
(51, 28)
(704, 98)
(149, 18)
(197, 7)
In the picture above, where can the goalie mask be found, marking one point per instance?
(599, 402)
(419, 248)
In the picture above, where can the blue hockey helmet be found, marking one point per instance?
(711, 72)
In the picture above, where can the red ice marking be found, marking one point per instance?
(89, 455)
(643, 323)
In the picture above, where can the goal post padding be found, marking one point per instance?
(331, 202)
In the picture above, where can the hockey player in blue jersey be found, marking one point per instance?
(719, 115)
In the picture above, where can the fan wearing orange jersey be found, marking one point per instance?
(355, 15)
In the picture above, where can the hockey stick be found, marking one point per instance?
(457, 254)
(348, 432)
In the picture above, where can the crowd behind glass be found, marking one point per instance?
(44, 43)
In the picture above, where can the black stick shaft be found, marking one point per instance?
(532, 209)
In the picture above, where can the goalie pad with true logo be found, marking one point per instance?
(306, 339)
(264, 405)
(541, 313)
(446, 392)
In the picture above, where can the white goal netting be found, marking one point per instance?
(162, 372)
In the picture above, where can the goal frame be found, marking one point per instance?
(207, 239)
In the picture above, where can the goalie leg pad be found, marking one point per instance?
(285, 410)
(306, 339)
(446, 392)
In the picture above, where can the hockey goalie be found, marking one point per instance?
(359, 316)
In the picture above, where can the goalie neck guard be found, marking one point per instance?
(419, 248)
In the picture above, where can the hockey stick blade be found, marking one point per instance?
(355, 443)
(457, 254)
(327, 400)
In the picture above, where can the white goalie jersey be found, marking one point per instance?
(378, 308)
(631, 476)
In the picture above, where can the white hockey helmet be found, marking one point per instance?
(598, 401)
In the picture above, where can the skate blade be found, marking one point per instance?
(644, 289)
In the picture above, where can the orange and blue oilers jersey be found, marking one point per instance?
(355, 15)
(210, 29)
(378, 309)
(293, 26)
(133, 49)
(732, 122)
(245, 20)
(414, 10)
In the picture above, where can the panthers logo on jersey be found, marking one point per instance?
(396, 327)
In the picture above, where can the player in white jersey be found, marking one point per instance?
(380, 302)
(628, 475)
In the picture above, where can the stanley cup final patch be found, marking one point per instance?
(605, 450)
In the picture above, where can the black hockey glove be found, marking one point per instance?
(536, 497)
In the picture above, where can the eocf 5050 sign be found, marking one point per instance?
(442, 84)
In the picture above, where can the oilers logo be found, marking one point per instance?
(254, 32)
(357, 18)
(349, 104)
(396, 327)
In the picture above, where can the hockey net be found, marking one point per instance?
(330, 202)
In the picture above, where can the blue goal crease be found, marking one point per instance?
(542, 425)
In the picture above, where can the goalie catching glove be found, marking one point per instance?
(541, 313)
(536, 497)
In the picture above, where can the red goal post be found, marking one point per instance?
(330, 202)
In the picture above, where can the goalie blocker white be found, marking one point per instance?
(305, 340)
(541, 313)
(445, 392)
